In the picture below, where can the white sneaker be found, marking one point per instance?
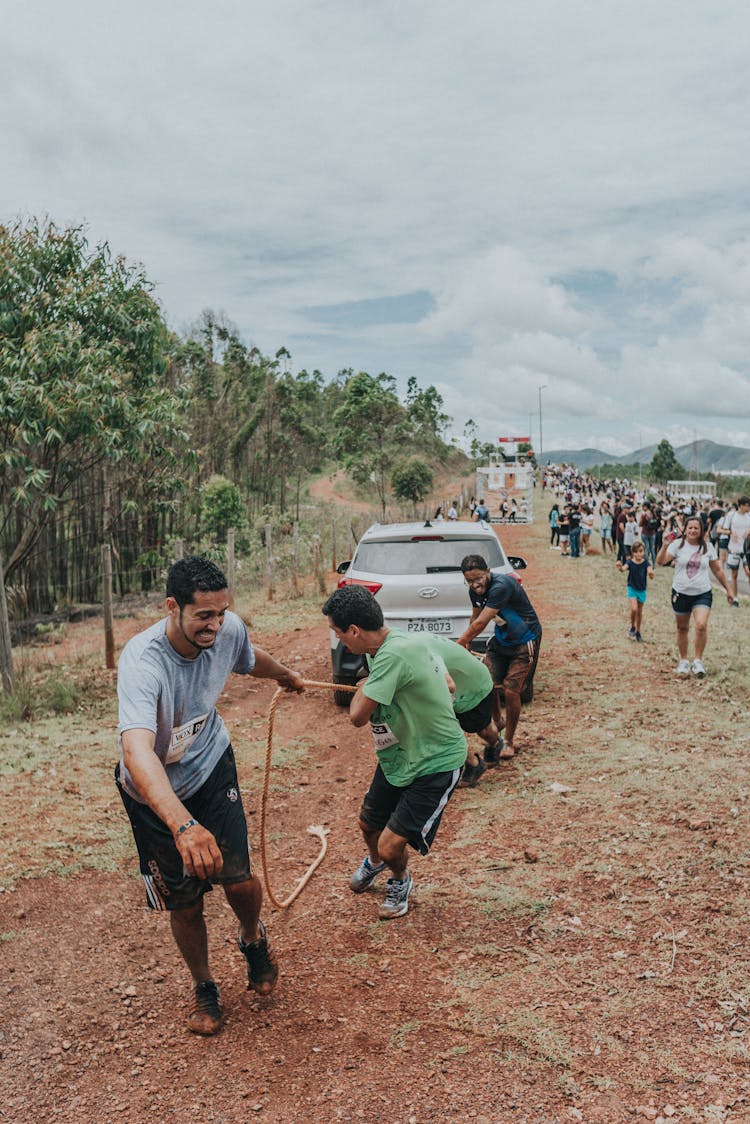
(698, 669)
(683, 668)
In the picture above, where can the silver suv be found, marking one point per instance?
(414, 570)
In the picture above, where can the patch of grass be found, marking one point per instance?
(51, 633)
(399, 1036)
(505, 901)
(9, 936)
(600, 1082)
(378, 933)
(61, 695)
(538, 1039)
(34, 696)
(20, 704)
(487, 950)
(262, 615)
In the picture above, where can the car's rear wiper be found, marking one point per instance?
(442, 569)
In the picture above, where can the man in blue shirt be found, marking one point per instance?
(513, 651)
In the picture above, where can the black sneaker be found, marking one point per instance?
(492, 753)
(472, 773)
(206, 1015)
(262, 969)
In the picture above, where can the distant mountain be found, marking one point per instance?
(697, 458)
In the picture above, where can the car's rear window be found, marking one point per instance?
(426, 556)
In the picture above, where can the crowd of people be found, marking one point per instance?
(701, 539)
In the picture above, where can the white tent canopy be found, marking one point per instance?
(691, 489)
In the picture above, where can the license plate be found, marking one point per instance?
(436, 625)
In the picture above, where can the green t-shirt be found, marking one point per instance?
(414, 726)
(473, 680)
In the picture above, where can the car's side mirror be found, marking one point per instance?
(344, 566)
(516, 562)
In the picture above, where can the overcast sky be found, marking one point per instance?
(491, 197)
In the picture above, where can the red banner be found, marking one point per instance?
(503, 440)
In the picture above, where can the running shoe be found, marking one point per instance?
(639, 638)
(365, 875)
(396, 900)
(205, 1016)
(472, 773)
(683, 668)
(632, 634)
(262, 969)
(698, 669)
(736, 603)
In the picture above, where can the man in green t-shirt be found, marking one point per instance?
(418, 742)
(473, 698)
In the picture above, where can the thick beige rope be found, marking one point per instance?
(314, 829)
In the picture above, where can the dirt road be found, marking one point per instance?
(577, 946)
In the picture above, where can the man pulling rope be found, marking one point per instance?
(177, 775)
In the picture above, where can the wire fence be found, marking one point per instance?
(73, 571)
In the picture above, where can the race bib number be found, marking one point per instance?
(383, 735)
(183, 737)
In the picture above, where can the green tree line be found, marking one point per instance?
(114, 429)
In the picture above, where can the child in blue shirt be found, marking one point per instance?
(638, 571)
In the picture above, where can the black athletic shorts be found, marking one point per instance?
(217, 806)
(479, 717)
(413, 812)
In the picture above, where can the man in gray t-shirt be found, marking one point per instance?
(177, 776)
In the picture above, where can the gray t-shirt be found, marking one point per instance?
(161, 691)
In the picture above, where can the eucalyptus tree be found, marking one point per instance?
(84, 378)
(370, 428)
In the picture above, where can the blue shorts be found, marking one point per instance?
(637, 595)
(684, 603)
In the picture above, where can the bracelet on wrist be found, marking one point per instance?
(185, 827)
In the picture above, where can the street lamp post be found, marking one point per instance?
(541, 445)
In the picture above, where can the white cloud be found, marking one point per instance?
(268, 159)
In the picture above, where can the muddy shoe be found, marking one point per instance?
(262, 969)
(206, 1015)
(472, 773)
(492, 753)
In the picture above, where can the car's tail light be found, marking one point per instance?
(372, 586)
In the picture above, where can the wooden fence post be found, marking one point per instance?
(6, 648)
(269, 562)
(295, 546)
(230, 567)
(319, 576)
(109, 629)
